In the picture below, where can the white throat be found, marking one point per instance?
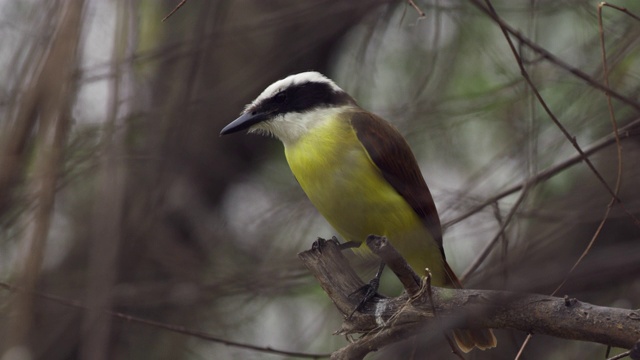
(290, 127)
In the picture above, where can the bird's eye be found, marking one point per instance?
(280, 98)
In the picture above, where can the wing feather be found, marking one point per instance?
(391, 153)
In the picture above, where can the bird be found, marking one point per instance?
(358, 171)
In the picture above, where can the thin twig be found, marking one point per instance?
(588, 248)
(620, 356)
(427, 286)
(543, 103)
(622, 9)
(614, 124)
(487, 249)
(173, 328)
(552, 58)
(505, 243)
(174, 10)
(625, 132)
(614, 198)
(523, 346)
(420, 12)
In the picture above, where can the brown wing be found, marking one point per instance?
(392, 155)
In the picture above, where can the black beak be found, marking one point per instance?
(245, 121)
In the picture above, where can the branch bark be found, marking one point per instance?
(384, 321)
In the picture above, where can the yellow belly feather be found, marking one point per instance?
(346, 187)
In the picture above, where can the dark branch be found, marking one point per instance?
(552, 58)
(161, 325)
(381, 247)
(631, 130)
(389, 320)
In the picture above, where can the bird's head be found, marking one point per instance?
(288, 108)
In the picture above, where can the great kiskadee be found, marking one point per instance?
(358, 171)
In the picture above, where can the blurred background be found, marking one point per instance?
(117, 193)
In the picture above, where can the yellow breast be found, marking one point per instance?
(346, 187)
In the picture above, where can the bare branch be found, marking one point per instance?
(619, 8)
(418, 10)
(631, 130)
(552, 58)
(394, 261)
(157, 324)
(388, 320)
(174, 10)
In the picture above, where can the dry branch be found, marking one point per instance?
(384, 321)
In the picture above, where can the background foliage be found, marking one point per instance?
(117, 193)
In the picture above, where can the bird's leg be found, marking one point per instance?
(369, 289)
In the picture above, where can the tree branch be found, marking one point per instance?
(384, 321)
(162, 325)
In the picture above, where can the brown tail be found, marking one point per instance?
(467, 339)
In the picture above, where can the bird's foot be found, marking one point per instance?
(320, 243)
(370, 291)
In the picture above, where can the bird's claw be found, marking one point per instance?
(370, 291)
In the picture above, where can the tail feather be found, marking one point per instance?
(467, 339)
